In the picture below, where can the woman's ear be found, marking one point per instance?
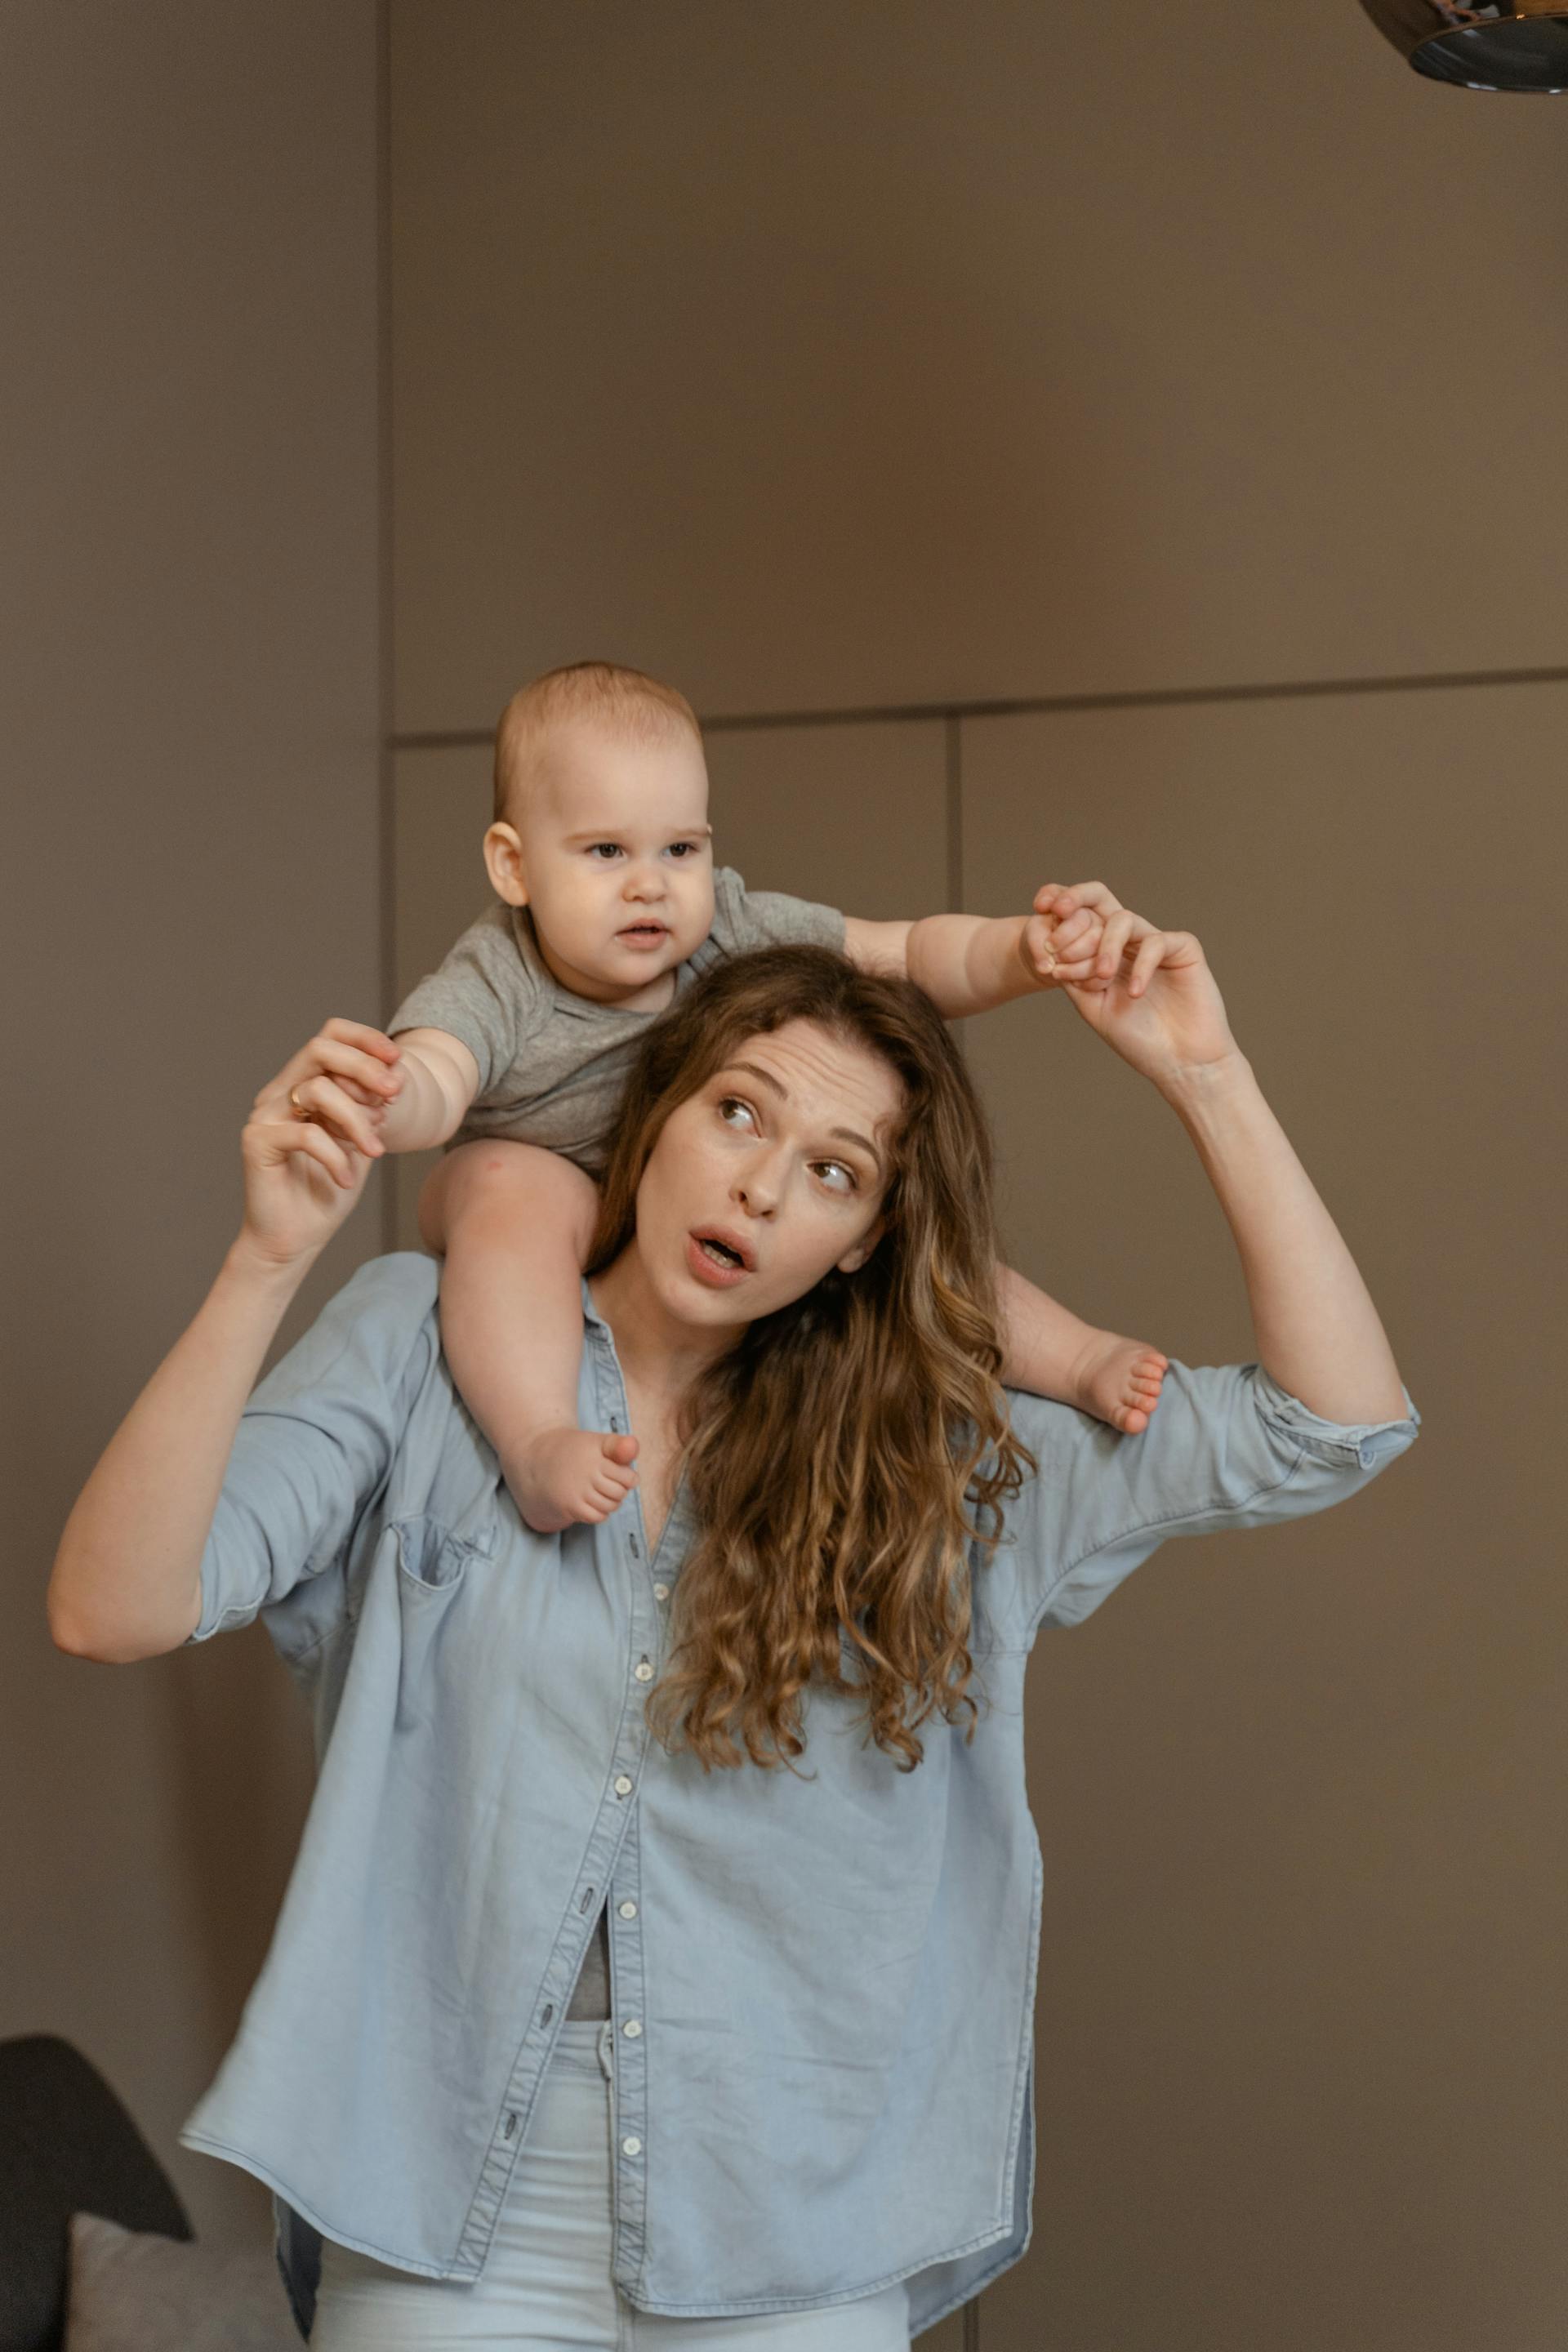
(853, 1260)
(503, 863)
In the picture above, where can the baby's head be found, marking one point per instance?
(601, 826)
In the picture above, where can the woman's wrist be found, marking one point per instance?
(249, 1266)
(1200, 1091)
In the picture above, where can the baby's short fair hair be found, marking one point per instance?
(625, 702)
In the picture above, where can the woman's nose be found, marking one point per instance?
(757, 1191)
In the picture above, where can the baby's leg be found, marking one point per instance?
(515, 1223)
(1046, 1347)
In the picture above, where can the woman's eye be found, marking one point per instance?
(826, 1168)
(732, 1102)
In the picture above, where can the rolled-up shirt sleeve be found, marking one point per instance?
(316, 1441)
(1227, 1447)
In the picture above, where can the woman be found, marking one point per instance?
(804, 2117)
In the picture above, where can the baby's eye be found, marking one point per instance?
(604, 850)
(682, 849)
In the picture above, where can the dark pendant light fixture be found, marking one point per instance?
(1514, 45)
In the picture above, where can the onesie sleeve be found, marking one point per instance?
(316, 1441)
(484, 993)
(746, 919)
(1227, 1447)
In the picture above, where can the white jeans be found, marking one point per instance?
(547, 2282)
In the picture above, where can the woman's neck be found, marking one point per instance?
(659, 1353)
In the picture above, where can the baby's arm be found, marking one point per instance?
(970, 963)
(438, 1079)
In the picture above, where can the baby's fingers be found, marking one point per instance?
(1076, 944)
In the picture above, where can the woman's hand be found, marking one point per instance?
(310, 1139)
(1151, 994)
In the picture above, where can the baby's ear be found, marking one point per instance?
(503, 863)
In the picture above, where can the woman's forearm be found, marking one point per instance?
(1317, 1330)
(127, 1577)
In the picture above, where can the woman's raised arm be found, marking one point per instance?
(126, 1581)
(1153, 998)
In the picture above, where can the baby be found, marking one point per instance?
(608, 904)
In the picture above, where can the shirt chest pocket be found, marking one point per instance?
(430, 1559)
(434, 1627)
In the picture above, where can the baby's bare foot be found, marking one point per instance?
(562, 1476)
(1119, 1380)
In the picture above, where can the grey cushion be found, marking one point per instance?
(133, 2292)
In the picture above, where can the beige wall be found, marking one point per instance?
(831, 355)
(837, 360)
(189, 470)
(832, 361)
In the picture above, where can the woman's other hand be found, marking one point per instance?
(310, 1139)
(1150, 993)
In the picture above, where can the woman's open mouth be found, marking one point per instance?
(717, 1263)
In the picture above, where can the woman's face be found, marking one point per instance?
(769, 1175)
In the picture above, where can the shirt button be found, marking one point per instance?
(628, 1910)
(623, 1786)
(632, 2147)
(615, 1424)
(642, 1671)
(635, 1552)
(632, 2028)
(661, 1593)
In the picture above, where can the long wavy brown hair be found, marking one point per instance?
(848, 1454)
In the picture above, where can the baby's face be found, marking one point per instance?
(617, 861)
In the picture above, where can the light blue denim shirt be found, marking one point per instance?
(821, 1982)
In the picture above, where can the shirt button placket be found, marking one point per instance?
(630, 2069)
(631, 2079)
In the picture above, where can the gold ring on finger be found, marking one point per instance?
(299, 1109)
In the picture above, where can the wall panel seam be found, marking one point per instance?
(1159, 697)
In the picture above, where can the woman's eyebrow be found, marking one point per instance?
(840, 1134)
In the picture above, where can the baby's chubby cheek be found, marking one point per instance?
(694, 917)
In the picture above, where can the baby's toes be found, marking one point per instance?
(1143, 1379)
(608, 1494)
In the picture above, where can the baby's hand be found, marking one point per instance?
(1057, 950)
